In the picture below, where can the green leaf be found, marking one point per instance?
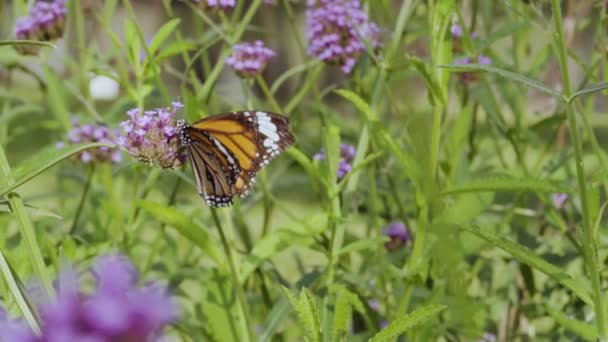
(19, 295)
(26, 42)
(506, 74)
(403, 324)
(586, 91)
(342, 315)
(507, 184)
(274, 319)
(43, 160)
(307, 310)
(220, 308)
(162, 34)
(522, 254)
(586, 331)
(360, 245)
(185, 225)
(172, 49)
(361, 105)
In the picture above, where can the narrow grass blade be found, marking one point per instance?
(42, 161)
(403, 324)
(507, 184)
(584, 330)
(13, 284)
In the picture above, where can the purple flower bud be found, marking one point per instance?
(151, 137)
(347, 155)
(216, 4)
(398, 233)
(46, 21)
(91, 133)
(487, 337)
(559, 199)
(456, 31)
(249, 59)
(468, 77)
(337, 31)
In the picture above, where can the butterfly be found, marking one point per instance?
(227, 150)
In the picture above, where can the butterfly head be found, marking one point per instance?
(181, 126)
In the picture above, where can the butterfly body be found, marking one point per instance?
(227, 150)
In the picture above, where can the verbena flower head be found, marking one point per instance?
(456, 31)
(249, 59)
(347, 155)
(46, 21)
(151, 136)
(118, 309)
(468, 77)
(337, 31)
(398, 233)
(216, 4)
(92, 133)
(559, 199)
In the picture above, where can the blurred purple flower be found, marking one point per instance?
(270, 2)
(559, 199)
(46, 21)
(92, 133)
(151, 136)
(216, 4)
(456, 31)
(347, 156)
(249, 59)
(373, 304)
(398, 233)
(468, 77)
(337, 31)
(487, 337)
(118, 310)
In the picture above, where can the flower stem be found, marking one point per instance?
(588, 240)
(27, 229)
(83, 197)
(235, 278)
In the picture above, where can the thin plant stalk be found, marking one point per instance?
(83, 198)
(240, 291)
(588, 240)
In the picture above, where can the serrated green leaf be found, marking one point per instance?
(403, 324)
(506, 74)
(361, 105)
(43, 160)
(185, 225)
(522, 254)
(507, 184)
(342, 315)
(307, 310)
(162, 34)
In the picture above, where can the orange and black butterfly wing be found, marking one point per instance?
(254, 138)
(215, 169)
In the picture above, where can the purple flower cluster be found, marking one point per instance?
(468, 77)
(337, 31)
(398, 233)
(46, 21)
(216, 4)
(456, 31)
(118, 310)
(249, 59)
(559, 199)
(92, 133)
(152, 137)
(347, 155)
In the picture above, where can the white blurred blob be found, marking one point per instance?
(103, 88)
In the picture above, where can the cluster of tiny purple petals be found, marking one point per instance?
(91, 133)
(398, 234)
(216, 4)
(151, 137)
(118, 310)
(249, 59)
(456, 31)
(46, 21)
(559, 199)
(347, 156)
(337, 31)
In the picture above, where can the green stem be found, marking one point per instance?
(235, 277)
(589, 243)
(83, 197)
(435, 137)
(27, 229)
